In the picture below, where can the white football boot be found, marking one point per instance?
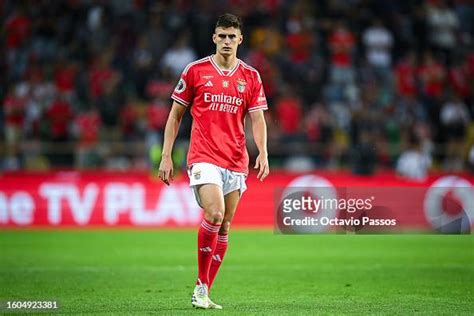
(200, 297)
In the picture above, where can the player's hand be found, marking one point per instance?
(165, 171)
(261, 163)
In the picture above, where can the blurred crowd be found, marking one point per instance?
(359, 84)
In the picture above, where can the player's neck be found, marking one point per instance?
(225, 62)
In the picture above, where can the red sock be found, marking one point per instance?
(218, 256)
(207, 238)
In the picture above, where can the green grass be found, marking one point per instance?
(149, 272)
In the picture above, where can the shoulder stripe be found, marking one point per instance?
(247, 66)
(199, 61)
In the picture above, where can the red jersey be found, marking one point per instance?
(289, 112)
(88, 124)
(405, 75)
(341, 42)
(219, 101)
(432, 79)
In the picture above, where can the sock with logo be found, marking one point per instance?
(218, 256)
(207, 239)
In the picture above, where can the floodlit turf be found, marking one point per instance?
(149, 272)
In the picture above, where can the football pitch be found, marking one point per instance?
(152, 272)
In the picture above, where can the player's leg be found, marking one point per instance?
(211, 200)
(231, 201)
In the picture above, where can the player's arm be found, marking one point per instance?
(259, 130)
(165, 170)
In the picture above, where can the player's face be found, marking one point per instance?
(227, 40)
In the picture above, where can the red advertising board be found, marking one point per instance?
(105, 199)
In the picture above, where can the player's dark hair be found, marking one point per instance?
(229, 20)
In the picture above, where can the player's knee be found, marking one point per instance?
(215, 216)
(225, 227)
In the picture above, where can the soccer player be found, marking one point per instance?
(219, 90)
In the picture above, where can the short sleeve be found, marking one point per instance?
(258, 100)
(183, 92)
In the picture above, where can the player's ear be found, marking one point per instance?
(241, 39)
(214, 38)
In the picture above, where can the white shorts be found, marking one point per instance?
(204, 173)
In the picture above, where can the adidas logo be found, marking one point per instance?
(209, 84)
(205, 249)
(217, 258)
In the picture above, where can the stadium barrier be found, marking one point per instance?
(105, 199)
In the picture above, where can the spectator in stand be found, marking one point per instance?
(458, 76)
(267, 39)
(318, 128)
(59, 115)
(178, 55)
(405, 76)
(102, 76)
(432, 74)
(17, 32)
(423, 134)
(104, 81)
(342, 43)
(65, 76)
(266, 43)
(289, 115)
(443, 26)
(58, 118)
(378, 41)
(414, 163)
(318, 124)
(300, 39)
(87, 125)
(454, 119)
(39, 94)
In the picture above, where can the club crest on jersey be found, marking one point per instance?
(181, 86)
(225, 83)
(241, 85)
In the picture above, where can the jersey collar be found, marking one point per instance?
(228, 73)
